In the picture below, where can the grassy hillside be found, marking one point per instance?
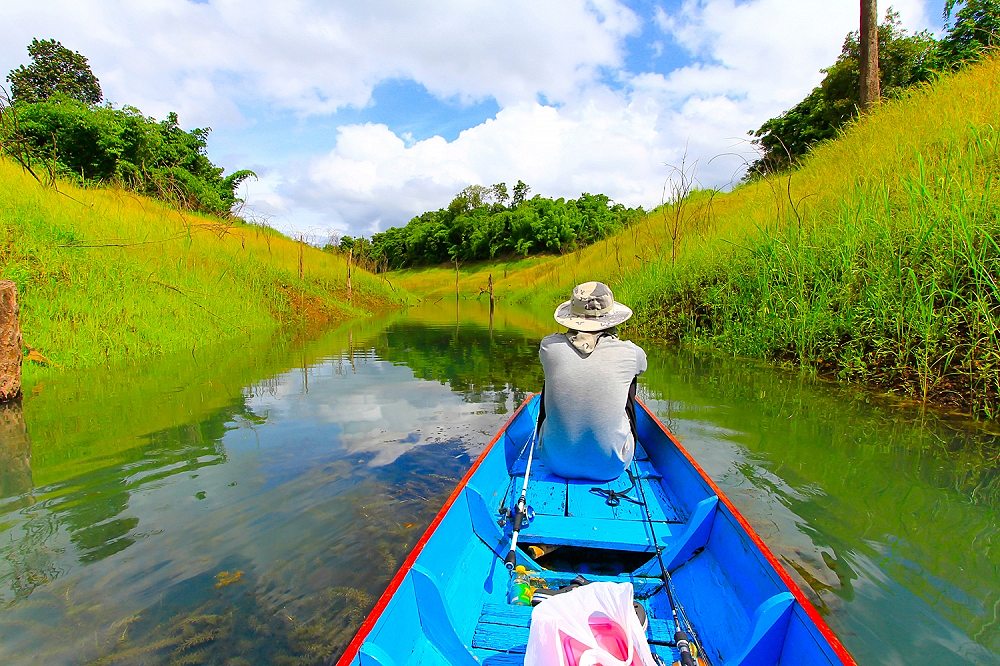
(877, 260)
(105, 275)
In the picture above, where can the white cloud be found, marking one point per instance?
(255, 67)
(315, 57)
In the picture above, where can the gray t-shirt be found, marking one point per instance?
(586, 432)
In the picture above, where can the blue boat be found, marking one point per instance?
(705, 582)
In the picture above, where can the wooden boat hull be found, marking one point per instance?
(448, 602)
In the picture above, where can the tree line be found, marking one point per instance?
(904, 60)
(53, 122)
(489, 222)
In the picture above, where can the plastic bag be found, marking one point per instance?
(592, 625)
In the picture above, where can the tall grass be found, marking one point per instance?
(880, 263)
(105, 275)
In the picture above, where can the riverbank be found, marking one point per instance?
(106, 276)
(875, 262)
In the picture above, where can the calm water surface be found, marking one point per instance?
(249, 505)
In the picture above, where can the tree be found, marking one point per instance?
(904, 60)
(974, 28)
(102, 144)
(869, 54)
(469, 199)
(499, 192)
(54, 70)
(520, 193)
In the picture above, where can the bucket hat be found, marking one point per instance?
(592, 308)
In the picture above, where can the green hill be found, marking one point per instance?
(105, 275)
(876, 261)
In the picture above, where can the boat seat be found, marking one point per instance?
(571, 512)
(591, 533)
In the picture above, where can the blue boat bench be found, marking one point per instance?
(569, 512)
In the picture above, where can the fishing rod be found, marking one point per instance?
(521, 507)
(681, 639)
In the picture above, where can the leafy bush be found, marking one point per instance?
(102, 144)
(904, 61)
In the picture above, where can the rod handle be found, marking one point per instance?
(518, 519)
(683, 646)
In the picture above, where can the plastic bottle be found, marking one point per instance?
(520, 589)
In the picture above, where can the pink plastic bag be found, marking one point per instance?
(592, 625)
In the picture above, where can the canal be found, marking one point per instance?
(247, 505)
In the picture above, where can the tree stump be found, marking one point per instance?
(10, 343)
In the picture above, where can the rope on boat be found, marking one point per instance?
(615, 497)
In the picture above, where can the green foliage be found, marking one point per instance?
(478, 224)
(975, 29)
(877, 262)
(904, 60)
(106, 145)
(54, 70)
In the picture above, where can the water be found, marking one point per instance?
(249, 505)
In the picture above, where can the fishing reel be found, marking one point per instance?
(507, 515)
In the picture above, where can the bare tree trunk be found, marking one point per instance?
(10, 342)
(870, 90)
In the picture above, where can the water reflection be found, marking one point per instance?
(191, 515)
(15, 450)
(248, 505)
(888, 517)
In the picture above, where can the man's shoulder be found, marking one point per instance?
(553, 338)
(618, 342)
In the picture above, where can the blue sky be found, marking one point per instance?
(358, 116)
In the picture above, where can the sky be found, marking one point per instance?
(357, 116)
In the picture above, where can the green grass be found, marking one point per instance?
(104, 275)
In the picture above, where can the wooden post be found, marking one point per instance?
(10, 342)
(350, 258)
(490, 287)
(456, 277)
(302, 242)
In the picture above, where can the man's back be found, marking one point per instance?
(586, 432)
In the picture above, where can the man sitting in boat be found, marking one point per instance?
(590, 379)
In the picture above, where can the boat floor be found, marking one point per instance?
(502, 635)
(604, 541)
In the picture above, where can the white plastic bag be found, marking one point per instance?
(592, 625)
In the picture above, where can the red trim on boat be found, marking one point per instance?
(359, 638)
(793, 587)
